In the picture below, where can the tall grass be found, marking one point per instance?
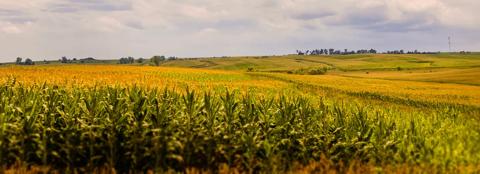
(138, 129)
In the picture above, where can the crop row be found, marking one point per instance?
(138, 129)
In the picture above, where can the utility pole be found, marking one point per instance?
(449, 44)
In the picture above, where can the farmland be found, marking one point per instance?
(337, 62)
(367, 113)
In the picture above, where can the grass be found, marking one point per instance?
(216, 117)
(467, 76)
(243, 63)
(339, 62)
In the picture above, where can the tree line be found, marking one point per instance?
(409, 52)
(332, 51)
(27, 61)
(156, 60)
(64, 59)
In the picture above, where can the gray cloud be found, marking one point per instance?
(313, 15)
(115, 28)
(379, 23)
(74, 6)
(135, 25)
(15, 16)
(378, 19)
(20, 20)
(405, 26)
(7, 12)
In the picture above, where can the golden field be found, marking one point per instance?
(169, 77)
(127, 118)
(467, 76)
(407, 90)
(144, 76)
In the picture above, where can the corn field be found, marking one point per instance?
(135, 129)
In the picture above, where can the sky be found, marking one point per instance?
(107, 29)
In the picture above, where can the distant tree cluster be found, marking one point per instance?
(65, 60)
(87, 60)
(74, 60)
(127, 60)
(27, 61)
(409, 52)
(465, 52)
(157, 60)
(332, 51)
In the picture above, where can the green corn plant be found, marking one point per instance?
(135, 129)
(230, 110)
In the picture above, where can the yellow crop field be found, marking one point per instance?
(408, 90)
(117, 118)
(239, 87)
(467, 76)
(147, 76)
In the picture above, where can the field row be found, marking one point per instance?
(136, 118)
(259, 83)
(138, 129)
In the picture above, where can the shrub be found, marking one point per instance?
(311, 71)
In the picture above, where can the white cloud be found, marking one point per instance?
(114, 28)
(9, 28)
(108, 24)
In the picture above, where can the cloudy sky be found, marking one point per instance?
(49, 29)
